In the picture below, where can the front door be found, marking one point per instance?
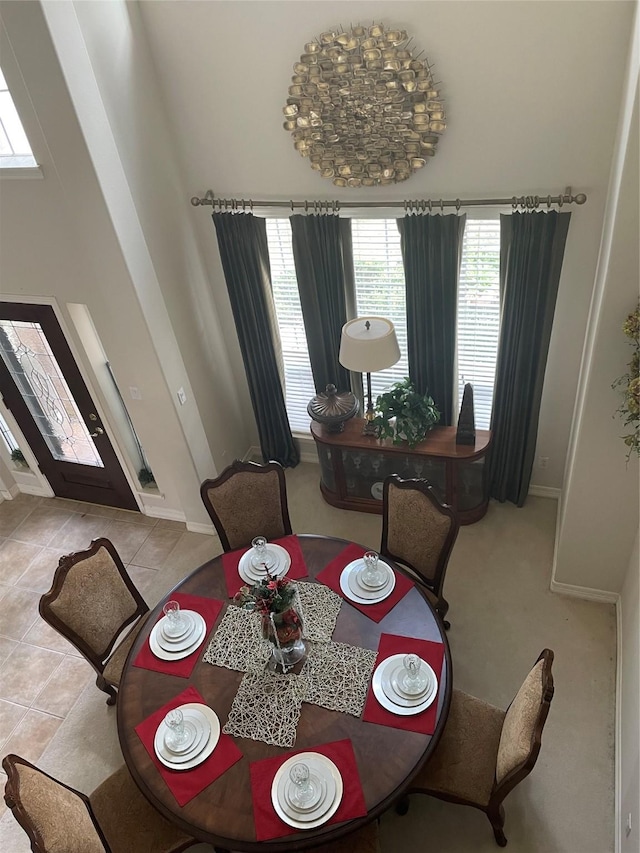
(42, 387)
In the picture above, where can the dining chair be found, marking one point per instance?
(485, 752)
(247, 500)
(115, 818)
(419, 531)
(91, 601)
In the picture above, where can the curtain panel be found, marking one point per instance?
(531, 252)
(319, 255)
(431, 253)
(244, 252)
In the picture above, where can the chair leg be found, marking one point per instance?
(107, 688)
(496, 817)
(402, 806)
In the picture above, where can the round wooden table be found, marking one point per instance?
(222, 814)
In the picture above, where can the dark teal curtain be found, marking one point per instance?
(242, 240)
(531, 252)
(319, 252)
(431, 252)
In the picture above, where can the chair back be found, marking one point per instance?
(524, 720)
(91, 600)
(418, 529)
(56, 818)
(247, 500)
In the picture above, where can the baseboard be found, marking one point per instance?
(10, 493)
(618, 733)
(164, 512)
(201, 527)
(545, 492)
(39, 491)
(600, 595)
(306, 446)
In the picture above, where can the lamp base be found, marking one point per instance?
(369, 415)
(369, 429)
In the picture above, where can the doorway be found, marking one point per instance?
(42, 386)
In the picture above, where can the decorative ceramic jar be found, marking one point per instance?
(333, 409)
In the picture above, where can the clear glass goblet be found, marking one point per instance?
(175, 623)
(176, 733)
(303, 788)
(372, 574)
(262, 559)
(413, 679)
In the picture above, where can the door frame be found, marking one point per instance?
(89, 380)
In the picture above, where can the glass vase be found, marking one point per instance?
(284, 632)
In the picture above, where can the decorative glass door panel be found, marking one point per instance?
(42, 386)
(28, 357)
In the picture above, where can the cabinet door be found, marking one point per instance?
(470, 484)
(366, 470)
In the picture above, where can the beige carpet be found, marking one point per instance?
(502, 615)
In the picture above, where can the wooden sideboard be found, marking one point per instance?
(353, 468)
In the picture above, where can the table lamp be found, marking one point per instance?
(368, 344)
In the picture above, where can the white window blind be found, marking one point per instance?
(479, 314)
(15, 150)
(380, 291)
(299, 387)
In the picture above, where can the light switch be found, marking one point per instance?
(136, 394)
(182, 397)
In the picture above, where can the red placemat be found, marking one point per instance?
(297, 569)
(187, 784)
(330, 576)
(433, 653)
(208, 608)
(269, 825)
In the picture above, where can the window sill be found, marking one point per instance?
(21, 172)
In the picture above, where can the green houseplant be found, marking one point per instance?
(629, 409)
(17, 456)
(404, 415)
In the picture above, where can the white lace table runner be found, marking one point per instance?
(267, 708)
(337, 676)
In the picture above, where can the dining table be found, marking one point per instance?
(386, 757)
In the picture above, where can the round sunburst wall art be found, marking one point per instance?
(363, 108)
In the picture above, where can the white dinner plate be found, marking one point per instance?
(187, 628)
(250, 575)
(201, 752)
(318, 805)
(359, 591)
(320, 765)
(193, 736)
(362, 596)
(389, 679)
(177, 654)
(184, 642)
(386, 573)
(395, 681)
(387, 666)
(203, 730)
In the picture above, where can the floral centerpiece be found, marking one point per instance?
(275, 601)
(629, 409)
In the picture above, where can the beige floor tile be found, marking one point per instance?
(97, 509)
(15, 558)
(41, 525)
(65, 503)
(135, 518)
(18, 612)
(32, 735)
(77, 533)
(12, 514)
(4, 589)
(65, 685)
(156, 549)
(6, 647)
(25, 671)
(3, 782)
(128, 538)
(146, 582)
(39, 574)
(43, 635)
(169, 524)
(10, 716)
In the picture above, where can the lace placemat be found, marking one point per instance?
(238, 643)
(320, 607)
(337, 676)
(267, 708)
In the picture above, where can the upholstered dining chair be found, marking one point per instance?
(91, 601)
(247, 500)
(485, 752)
(419, 531)
(115, 818)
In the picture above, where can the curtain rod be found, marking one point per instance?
(526, 202)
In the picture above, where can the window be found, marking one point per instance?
(15, 151)
(380, 290)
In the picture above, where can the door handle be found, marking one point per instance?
(99, 431)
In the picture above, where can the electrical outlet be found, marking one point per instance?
(182, 397)
(627, 826)
(136, 394)
(543, 461)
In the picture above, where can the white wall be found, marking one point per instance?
(628, 748)
(532, 107)
(600, 504)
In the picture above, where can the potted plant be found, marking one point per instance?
(629, 409)
(404, 415)
(17, 456)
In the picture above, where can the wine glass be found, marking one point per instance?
(174, 625)
(176, 733)
(413, 679)
(303, 788)
(262, 559)
(372, 574)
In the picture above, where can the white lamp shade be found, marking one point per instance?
(368, 344)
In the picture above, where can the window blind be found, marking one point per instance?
(380, 290)
(479, 314)
(299, 386)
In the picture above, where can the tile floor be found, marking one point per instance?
(41, 674)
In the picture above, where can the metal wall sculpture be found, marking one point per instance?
(363, 108)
